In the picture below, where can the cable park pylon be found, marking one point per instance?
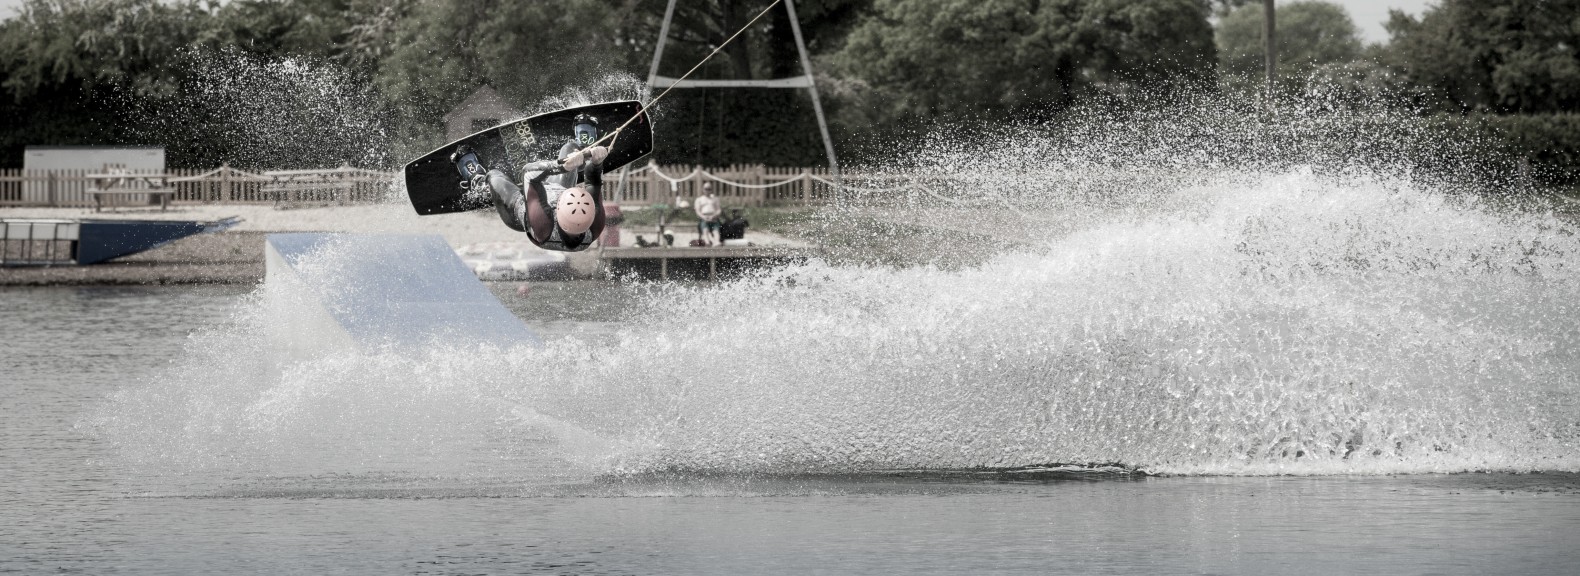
(665, 83)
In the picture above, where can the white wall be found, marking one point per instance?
(93, 158)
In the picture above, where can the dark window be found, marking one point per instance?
(480, 124)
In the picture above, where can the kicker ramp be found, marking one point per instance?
(331, 291)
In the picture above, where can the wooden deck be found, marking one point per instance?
(698, 263)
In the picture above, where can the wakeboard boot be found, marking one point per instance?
(473, 176)
(508, 198)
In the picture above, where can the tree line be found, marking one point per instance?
(382, 73)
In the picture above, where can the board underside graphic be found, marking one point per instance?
(434, 185)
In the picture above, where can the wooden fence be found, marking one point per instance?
(740, 185)
(223, 185)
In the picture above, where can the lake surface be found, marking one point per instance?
(352, 482)
(1285, 372)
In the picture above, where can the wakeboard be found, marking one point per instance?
(435, 186)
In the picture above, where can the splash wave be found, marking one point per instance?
(1159, 308)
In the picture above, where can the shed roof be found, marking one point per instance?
(485, 101)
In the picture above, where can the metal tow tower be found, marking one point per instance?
(656, 82)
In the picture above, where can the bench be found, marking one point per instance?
(111, 185)
(331, 186)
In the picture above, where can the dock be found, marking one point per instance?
(757, 249)
(698, 263)
(82, 241)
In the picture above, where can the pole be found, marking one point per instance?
(619, 189)
(1269, 48)
(806, 81)
(658, 49)
(817, 104)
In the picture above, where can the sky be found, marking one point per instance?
(1367, 14)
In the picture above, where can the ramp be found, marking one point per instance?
(372, 291)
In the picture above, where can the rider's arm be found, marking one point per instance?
(544, 169)
(579, 158)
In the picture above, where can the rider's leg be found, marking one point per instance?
(508, 200)
(539, 220)
(507, 196)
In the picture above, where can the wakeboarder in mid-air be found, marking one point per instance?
(538, 182)
(564, 213)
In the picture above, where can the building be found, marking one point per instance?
(484, 109)
(142, 159)
(64, 166)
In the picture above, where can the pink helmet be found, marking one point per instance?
(575, 211)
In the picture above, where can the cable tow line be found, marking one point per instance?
(616, 133)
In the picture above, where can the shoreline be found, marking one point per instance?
(236, 256)
(221, 258)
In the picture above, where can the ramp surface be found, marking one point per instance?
(383, 290)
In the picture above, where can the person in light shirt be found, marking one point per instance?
(708, 212)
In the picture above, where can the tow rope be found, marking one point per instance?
(616, 133)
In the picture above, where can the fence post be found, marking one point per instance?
(343, 185)
(806, 187)
(662, 185)
(49, 188)
(224, 181)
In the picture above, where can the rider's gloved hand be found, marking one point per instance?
(576, 159)
(573, 162)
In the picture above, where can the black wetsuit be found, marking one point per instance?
(533, 212)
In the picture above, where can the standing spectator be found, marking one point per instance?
(707, 207)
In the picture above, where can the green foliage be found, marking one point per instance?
(108, 44)
(953, 59)
(719, 127)
(1221, 8)
(1311, 35)
(1549, 144)
(102, 71)
(272, 27)
(89, 71)
(699, 26)
(65, 66)
(1513, 56)
(527, 50)
(1519, 149)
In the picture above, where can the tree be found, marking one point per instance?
(1312, 34)
(954, 59)
(356, 33)
(1512, 56)
(293, 81)
(67, 68)
(95, 45)
(767, 50)
(1221, 8)
(527, 50)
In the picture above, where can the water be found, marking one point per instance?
(1140, 344)
(70, 503)
(431, 475)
